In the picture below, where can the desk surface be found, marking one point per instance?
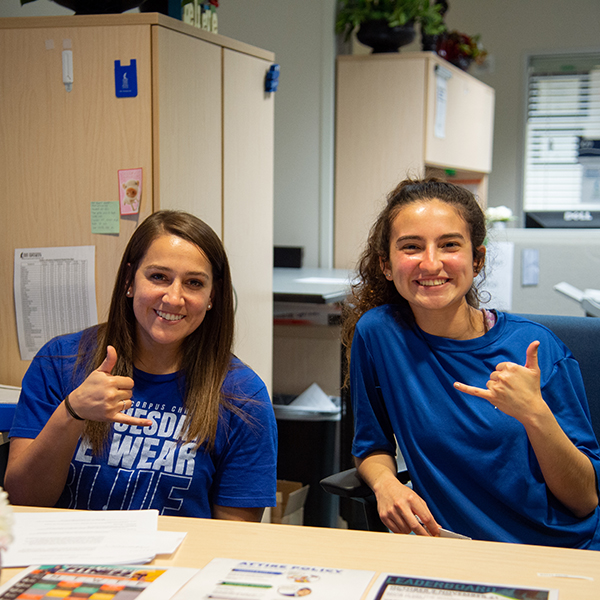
(315, 286)
(488, 562)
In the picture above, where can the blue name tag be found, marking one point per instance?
(126, 79)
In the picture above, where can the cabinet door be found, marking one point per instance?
(61, 150)
(468, 124)
(380, 116)
(248, 204)
(187, 125)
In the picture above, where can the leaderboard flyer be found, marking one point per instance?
(402, 587)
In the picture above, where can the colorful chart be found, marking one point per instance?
(69, 582)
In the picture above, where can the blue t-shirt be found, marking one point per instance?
(471, 463)
(148, 468)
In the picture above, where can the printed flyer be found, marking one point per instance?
(396, 587)
(230, 579)
(106, 582)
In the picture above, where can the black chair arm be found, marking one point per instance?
(348, 484)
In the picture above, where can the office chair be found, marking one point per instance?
(580, 334)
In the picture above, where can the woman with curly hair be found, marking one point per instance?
(488, 409)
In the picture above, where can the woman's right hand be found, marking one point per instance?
(105, 397)
(37, 468)
(400, 508)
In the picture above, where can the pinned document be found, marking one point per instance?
(45, 311)
(441, 100)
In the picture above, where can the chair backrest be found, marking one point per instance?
(582, 336)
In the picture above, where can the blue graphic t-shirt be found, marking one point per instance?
(149, 467)
(472, 464)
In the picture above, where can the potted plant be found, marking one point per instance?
(385, 25)
(432, 24)
(498, 216)
(461, 49)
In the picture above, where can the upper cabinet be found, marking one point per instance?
(200, 128)
(400, 115)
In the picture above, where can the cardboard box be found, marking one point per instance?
(291, 498)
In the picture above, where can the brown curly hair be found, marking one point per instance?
(371, 288)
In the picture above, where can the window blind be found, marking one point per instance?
(563, 107)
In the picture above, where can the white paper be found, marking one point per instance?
(168, 541)
(530, 266)
(231, 579)
(312, 404)
(592, 295)
(388, 587)
(569, 290)
(55, 293)
(314, 398)
(83, 537)
(499, 274)
(441, 99)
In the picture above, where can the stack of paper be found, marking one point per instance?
(112, 537)
(312, 404)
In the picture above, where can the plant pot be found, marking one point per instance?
(429, 42)
(99, 7)
(462, 62)
(379, 36)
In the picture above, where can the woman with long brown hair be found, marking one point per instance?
(150, 409)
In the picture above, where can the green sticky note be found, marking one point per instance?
(105, 217)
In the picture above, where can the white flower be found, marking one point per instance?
(498, 213)
(6, 520)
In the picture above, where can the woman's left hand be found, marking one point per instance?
(512, 388)
(567, 471)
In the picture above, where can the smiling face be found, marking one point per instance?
(431, 259)
(171, 293)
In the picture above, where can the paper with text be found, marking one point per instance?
(83, 537)
(55, 293)
(232, 579)
(394, 587)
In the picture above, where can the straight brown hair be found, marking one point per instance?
(205, 354)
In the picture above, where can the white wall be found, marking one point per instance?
(510, 30)
(301, 34)
(571, 255)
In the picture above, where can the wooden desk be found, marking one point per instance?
(489, 562)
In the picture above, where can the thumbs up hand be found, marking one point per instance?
(109, 362)
(105, 397)
(512, 388)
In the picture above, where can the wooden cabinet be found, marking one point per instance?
(200, 127)
(400, 115)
